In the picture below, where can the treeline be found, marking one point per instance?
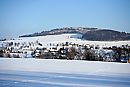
(106, 35)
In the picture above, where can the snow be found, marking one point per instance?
(63, 66)
(46, 79)
(72, 38)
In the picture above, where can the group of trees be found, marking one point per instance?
(106, 35)
(74, 52)
(85, 53)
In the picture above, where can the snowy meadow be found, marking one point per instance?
(62, 73)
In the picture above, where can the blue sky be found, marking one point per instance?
(18, 17)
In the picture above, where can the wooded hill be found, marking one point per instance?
(93, 34)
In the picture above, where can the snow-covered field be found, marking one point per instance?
(63, 66)
(24, 72)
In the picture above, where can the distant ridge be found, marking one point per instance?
(61, 31)
(93, 34)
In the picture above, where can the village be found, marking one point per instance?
(66, 50)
